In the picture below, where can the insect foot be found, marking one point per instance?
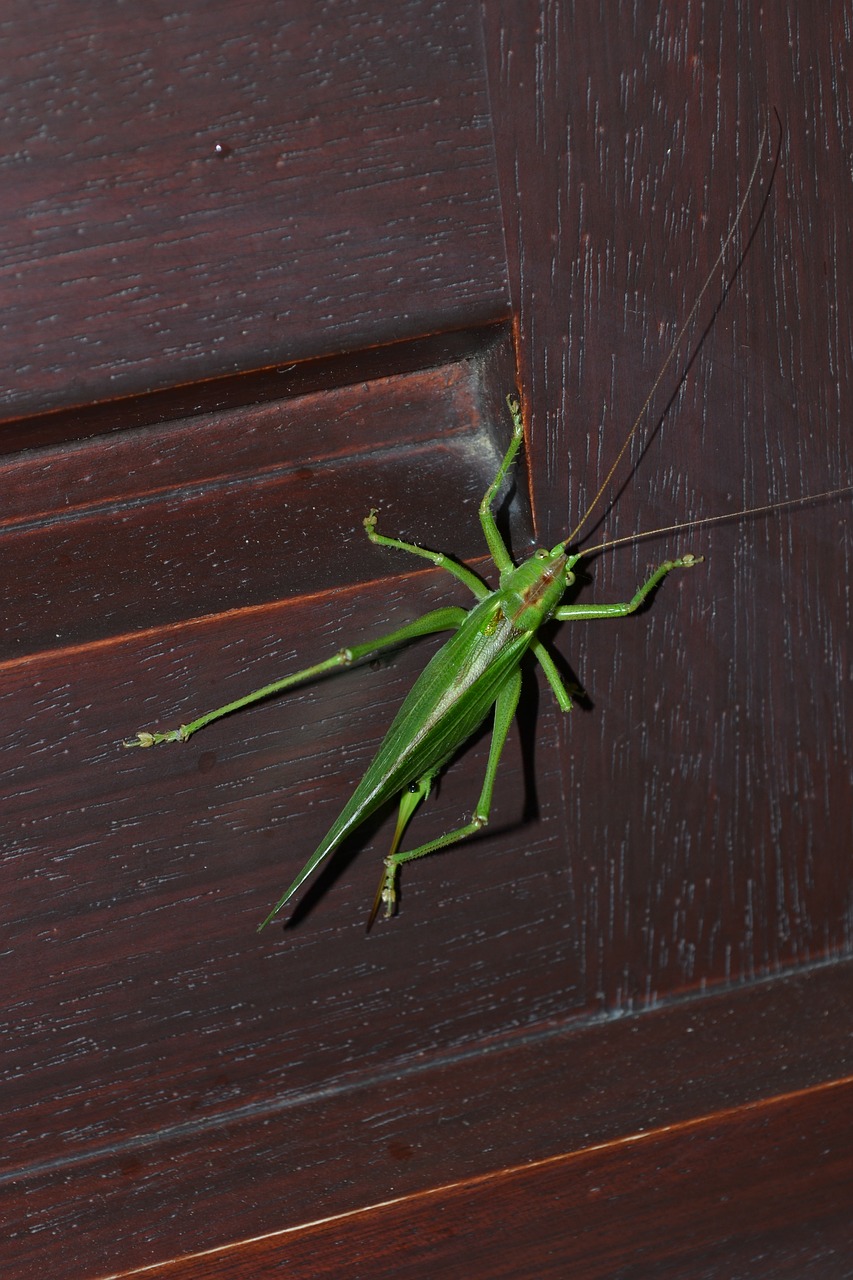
(386, 894)
(147, 739)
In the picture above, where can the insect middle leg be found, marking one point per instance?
(438, 558)
(496, 544)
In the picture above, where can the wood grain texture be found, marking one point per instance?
(709, 806)
(173, 1082)
(191, 191)
(361, 1134)
(238, 508)
(765, 1189)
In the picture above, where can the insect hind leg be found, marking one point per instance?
(505, 708)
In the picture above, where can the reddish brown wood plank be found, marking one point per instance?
(762, 1191)
(225, 186)
(278, 1133)
(244, 507)
(249, 388)
(713, 775)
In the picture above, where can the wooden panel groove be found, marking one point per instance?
(766, 1185)
(360, 1136)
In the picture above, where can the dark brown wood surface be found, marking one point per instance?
(713, 772)
(767, 1183)
(227, 186)
(260, 268)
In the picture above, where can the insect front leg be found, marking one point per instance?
(505, 708)
(496, 544)
(574, 612)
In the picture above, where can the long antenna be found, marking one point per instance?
(700, 521)
(677, 343)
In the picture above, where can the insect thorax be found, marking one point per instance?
(532, 591)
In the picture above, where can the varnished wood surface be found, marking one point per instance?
(229, 510)
(709, 804)
(226, 186)
(173, 1082)
(334, 1134)
(762, 1190)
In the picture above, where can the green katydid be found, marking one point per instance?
(476, 671)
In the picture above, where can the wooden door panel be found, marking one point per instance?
(191, 192)
(289, 1161)
(220, 361)
(709, 824)
(246, 506)
(597, 1212)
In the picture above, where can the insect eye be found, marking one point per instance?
(541, 554)
(570, 577)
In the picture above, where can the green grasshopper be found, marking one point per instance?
(476, 671)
